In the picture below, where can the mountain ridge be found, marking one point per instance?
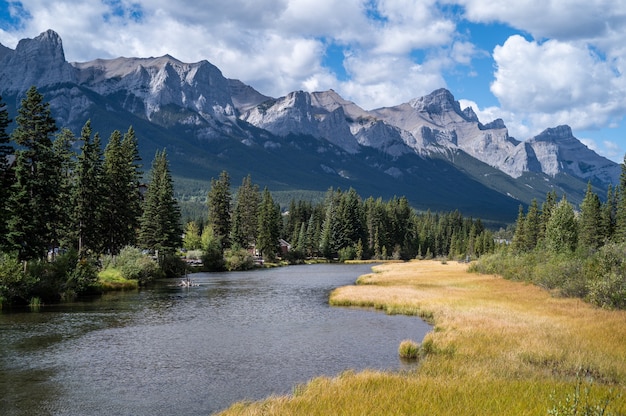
(199, 114)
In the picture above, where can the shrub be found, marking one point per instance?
(83, 279)
(608, 291)
(15, 286)
(238, 258)
(135, 265)
(347, 253)
(409, 349)
(172, 265)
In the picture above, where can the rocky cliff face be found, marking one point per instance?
(40, 61)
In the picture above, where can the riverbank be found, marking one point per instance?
(498, 347)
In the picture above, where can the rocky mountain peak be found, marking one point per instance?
(39, 61)
(437, 102)
(555, 134)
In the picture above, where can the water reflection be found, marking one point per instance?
(190, 351)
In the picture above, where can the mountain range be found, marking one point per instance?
(440, 156)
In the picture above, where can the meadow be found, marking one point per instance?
(498, 347)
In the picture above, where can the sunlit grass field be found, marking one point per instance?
(498, 348)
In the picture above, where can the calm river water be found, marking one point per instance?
(192, 351)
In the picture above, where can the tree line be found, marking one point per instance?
(572, 250)
(60, 193)
(342, 226)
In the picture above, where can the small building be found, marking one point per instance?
(285, 247)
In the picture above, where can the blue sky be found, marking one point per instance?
(533, 64)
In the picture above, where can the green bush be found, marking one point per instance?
(347, 253)
(609, 291)
(238, 258)
(15, 286)
(172, 265)
(83, 279)
(136, 265)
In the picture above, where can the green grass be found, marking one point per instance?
(111, 280)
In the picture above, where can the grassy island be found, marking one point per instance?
(498, 347)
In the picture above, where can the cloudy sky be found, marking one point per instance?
(533, 63)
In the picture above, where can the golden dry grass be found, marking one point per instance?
(498, 347)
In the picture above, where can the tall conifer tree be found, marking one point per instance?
(5, 175)
(160, 224)
(245, 214)
(268, 226)
(590, 220)
(219, 201)
(35, 189)
(121, 175)
(89, 195)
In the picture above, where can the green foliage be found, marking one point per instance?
(15, 285)
(245, 213)
(84, 278)
(133, 264)
(112, 280)
(35, 188)
(160, 228)
(219, 203)
(213, 257)
(192, 239)
(237, 258)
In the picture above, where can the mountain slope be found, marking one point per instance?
(439, 155)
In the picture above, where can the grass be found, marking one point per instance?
(111, 279)
(498, 347)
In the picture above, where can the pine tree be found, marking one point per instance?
(519, 237)
(268, 226)
(608, 215)
(65, 232)
(590, 220)
(160, 228)
(5, 174)
(89, 199)
(219, 202)
(34, 192)
(562, 229)
(121, 180)
(620, 215)
(546, 212)
(532, 226)
(245, 214)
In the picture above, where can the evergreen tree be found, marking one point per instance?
(89, 199)
(608, 214)
(519, 237)
(620, 216)
(351, 220)
(546, 212)
(532, 226)
(34, 192)
(5, 174)
(160, 228)
(245, 222)
(121, 179)
(219, 203)
(269, 223)
(192, 239)
(562, 229)
(65, 232)
(590, 220)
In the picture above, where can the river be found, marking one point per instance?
(170, 350)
